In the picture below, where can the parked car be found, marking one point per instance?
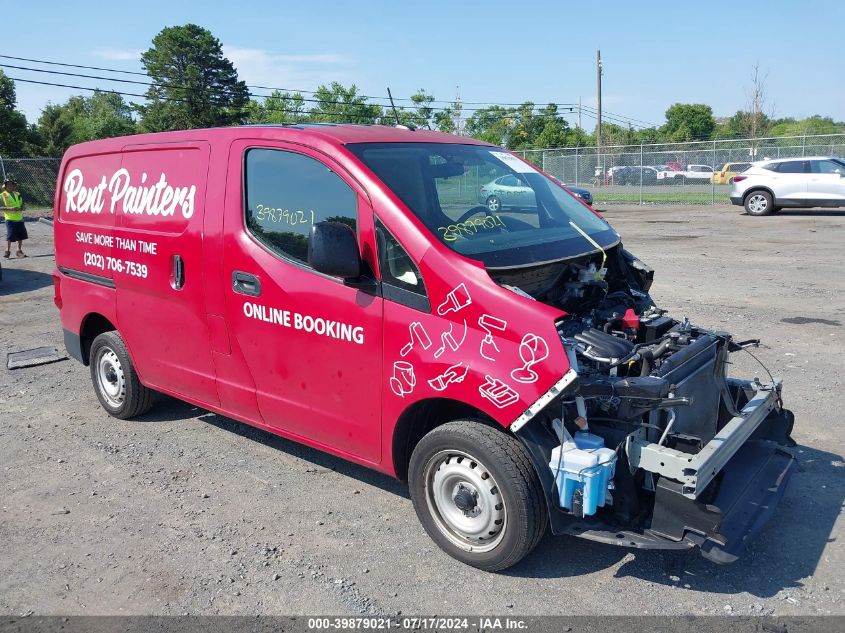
(616, 175)
(725, 172)
(692, 174)
(578, 192)
(508, 191)
(637, 174)
(515, 371)
(768, 186)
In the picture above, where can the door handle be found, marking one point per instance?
(177, 278)
(246, 284)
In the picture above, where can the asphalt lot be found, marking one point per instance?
(187, 512)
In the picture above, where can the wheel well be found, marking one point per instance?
(92, 326)
(420, 418)
(755, 190)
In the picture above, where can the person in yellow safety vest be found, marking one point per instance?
(12, 207)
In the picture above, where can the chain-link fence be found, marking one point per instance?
(679, 173)
(676, 173)
(36, 178)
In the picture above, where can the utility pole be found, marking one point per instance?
(579, 114)
(598, 98)
(459, 122)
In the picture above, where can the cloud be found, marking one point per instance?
(258, 66)
(119, 55)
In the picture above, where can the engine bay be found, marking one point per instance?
(652, 400)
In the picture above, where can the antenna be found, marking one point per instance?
(393, 105)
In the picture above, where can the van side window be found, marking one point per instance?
(400, 277)
(287, 193)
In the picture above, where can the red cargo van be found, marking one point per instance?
(343, 286)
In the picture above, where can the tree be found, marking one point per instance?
(449, 119)
(278, 107)
(80, 119)
(336, 104)
(54, 130)
(647, 135)
(755, 119)
(688, 122)
(490, 124)
(523, 127)
(103, 115)
(195, 85)
(14, 132)
(423, 116)
(554, 130)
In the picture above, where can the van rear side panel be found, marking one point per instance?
(84, 220)
(132, 220)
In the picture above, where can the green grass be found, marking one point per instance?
(669, 197)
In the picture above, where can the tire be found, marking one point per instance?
(477, 495)
(759, 203)
(115, 379)
(494, 204)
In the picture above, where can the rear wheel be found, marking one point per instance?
(476, 494)
(759, 203)
(494, 204)
(115, 380)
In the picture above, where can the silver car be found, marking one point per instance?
(507, 191)
(770, 185)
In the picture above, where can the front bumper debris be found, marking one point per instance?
(750, 487)
(716, 500)
(695, 472)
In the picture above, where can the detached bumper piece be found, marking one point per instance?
(697, 471)
(745, 495)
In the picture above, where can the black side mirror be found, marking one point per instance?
(333, 250)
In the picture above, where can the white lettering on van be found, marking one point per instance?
(305, 322)
(159, 199)
(80, 198)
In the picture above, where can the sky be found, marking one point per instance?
(654, 53)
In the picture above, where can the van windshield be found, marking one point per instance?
(486, 204)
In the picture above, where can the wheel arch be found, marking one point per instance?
(93, 324)
(757, 188)
(422, 417)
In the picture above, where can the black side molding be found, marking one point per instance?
(90, 277)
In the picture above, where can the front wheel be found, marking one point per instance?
(759, 203)
(477, 495)
(115, 380)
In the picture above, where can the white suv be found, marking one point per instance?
(767, 186)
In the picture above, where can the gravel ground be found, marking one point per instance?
(188, 512)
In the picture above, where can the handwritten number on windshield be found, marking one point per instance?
(471, 227)
(284, 216)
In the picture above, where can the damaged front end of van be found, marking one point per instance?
(647, 442)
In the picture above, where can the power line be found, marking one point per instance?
(293, 113)
(176, 99)
(153, 84)
(324, 113)
(294, 90)
(184, 88)
(425, 105)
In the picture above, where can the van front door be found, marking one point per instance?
(312, 344)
